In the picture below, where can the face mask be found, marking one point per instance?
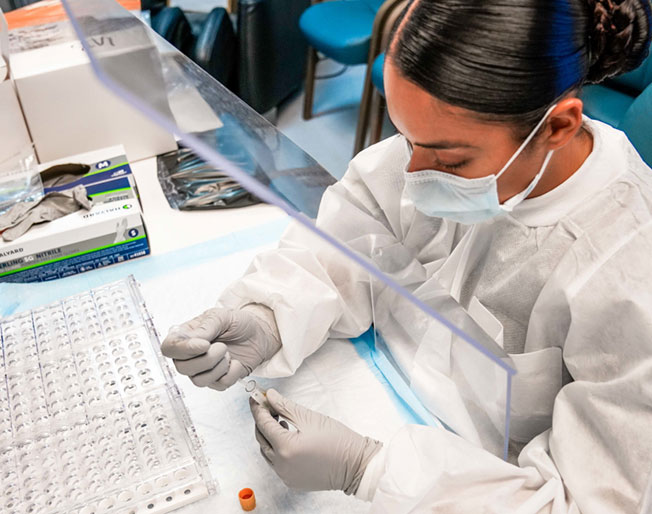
(467, 200)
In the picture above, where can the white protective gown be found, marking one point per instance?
(568, 276)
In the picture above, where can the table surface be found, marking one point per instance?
(169, 229)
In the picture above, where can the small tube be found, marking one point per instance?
(259, 395)
(247, 499)
(256, 392)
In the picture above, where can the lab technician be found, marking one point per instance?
(499, 189)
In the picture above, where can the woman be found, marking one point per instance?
(494, 160)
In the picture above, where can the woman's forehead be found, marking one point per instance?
(420, 116)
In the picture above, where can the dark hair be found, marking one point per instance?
(509, 60)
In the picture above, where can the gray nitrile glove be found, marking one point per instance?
(20, 218)
(322, 454)
(220, 346)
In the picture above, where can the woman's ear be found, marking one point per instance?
(563, 123)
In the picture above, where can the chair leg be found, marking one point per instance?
(310, 83)
(363, 117)
(377, 117)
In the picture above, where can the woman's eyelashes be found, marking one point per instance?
(452, 166)
(437, 163)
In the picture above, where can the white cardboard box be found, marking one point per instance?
(13, 131)
(68, 111)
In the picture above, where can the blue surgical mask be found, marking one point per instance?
(468, 200)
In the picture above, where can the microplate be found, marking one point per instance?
(91, 421)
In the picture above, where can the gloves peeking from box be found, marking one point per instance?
(22, 216)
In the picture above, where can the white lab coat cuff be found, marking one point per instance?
(375, 470)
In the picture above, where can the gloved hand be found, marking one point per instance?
(220, 346)
(321, 454)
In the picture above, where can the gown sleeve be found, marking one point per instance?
(314, 291)
(597, 457)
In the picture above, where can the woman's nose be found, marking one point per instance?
(417, 162)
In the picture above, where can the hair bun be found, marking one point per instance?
(619, 36)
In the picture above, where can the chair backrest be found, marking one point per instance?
(216, 47)
(384, 20)
(374, 5)
(171, 23)
(7, 5)
(638, 79)
(637, 124)
(153, 6)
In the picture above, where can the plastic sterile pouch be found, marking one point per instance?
(19, 179)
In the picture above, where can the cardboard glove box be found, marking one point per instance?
(112, 231)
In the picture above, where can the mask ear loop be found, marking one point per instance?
(525, 143)
(509, 205)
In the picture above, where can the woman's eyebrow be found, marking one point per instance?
(441, 145)
(444, 145)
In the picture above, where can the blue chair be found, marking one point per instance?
(172, 24)
(375, 112)
(372, 106)
(377, 73)
(378, 104)
(625, 103)
(339, 29)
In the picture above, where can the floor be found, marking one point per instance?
(329, 135)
